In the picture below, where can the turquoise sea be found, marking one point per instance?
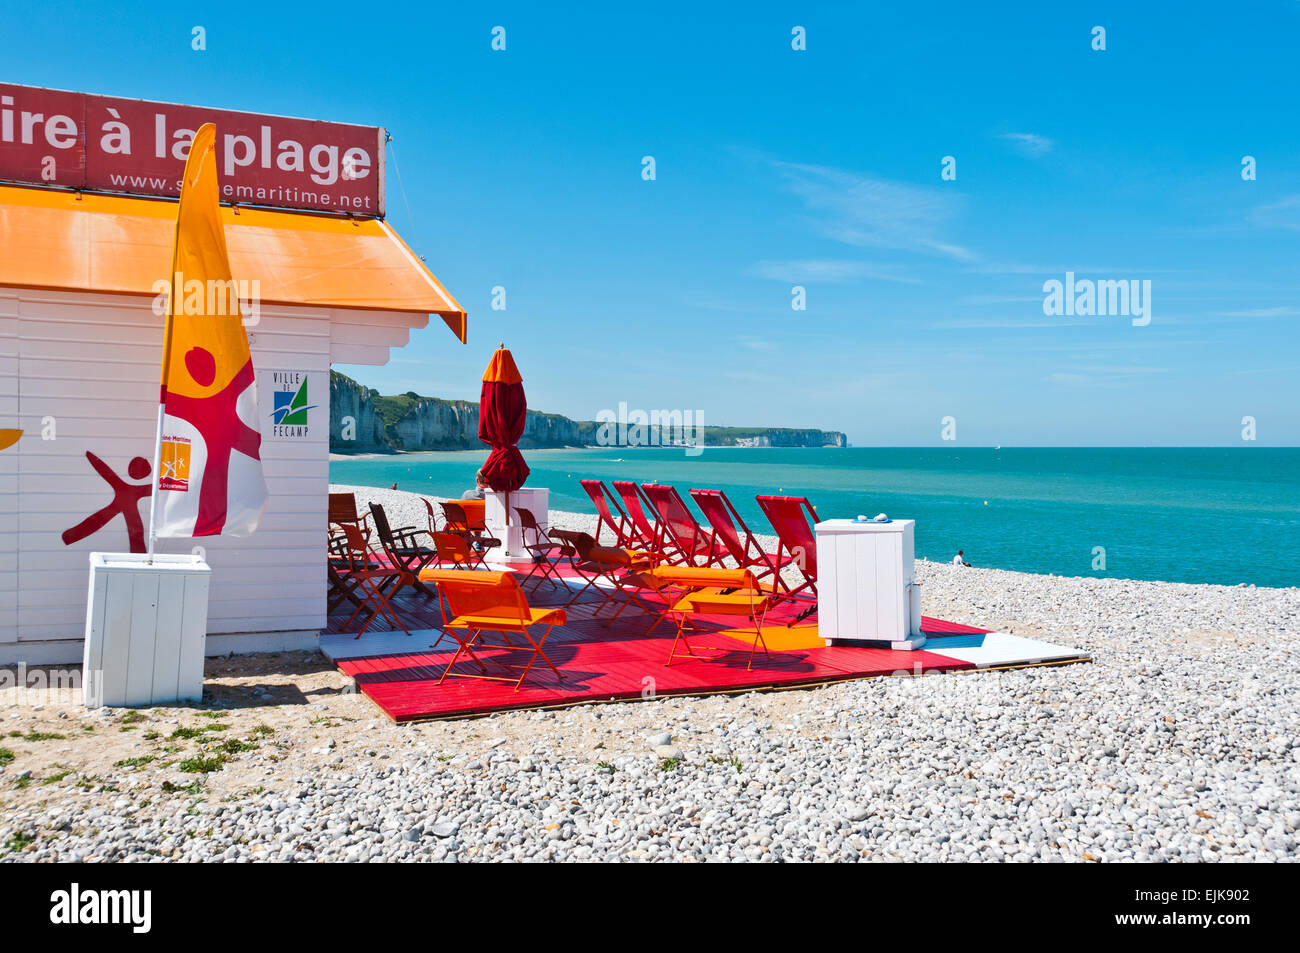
(1218, 515)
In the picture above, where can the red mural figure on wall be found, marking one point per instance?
(215, 419)
(126, 503)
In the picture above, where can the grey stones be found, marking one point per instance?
(1177, 743)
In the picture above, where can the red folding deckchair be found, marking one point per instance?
(492, 602)
(682, 530)
(728, 526)
(609, 513)
(371, 577)
(649, 536)
(793, 518)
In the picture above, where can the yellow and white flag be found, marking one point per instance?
(209, 456)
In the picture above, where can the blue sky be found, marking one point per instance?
(819, 168)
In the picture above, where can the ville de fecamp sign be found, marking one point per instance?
(104, 144)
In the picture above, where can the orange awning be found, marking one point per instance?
(86, 242)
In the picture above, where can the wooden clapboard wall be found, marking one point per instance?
(79, 372)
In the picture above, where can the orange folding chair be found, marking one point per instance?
(371, 577)
(454, 549)
(483, 601)
(459, 521)
(714, 591)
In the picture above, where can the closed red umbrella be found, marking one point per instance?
(502, 412)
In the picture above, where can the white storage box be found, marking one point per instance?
(865, 586)
(146, 627)
(535, 500)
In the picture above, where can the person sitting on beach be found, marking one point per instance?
(960, 558)
(480, 486)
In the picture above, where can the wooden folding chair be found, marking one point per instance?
(624, 569)
(492, 602)
(542, 548)
(343, 512)
(402, 546)
(433, 520)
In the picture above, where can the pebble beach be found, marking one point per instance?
(1177, 742)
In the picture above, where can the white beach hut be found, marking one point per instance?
(80, 344)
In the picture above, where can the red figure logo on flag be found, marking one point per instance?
(209, 451)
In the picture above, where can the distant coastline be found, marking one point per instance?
(363, 421)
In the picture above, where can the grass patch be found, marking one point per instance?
(19, 841)
(6, 756)
(132, 717)
(262, 731)
(43, 736)
(235, 746)
(57, 776)
(152, 735)
(134, 762)
(187, 731)
(202, 764)
(669, 764)
(171, 788)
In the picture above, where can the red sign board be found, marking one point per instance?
(102, 144)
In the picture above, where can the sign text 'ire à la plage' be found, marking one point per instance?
(104, 144)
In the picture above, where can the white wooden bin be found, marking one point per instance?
(534, 499)
(146, 626)
(865, 586)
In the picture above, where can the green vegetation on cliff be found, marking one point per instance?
(412, 421)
